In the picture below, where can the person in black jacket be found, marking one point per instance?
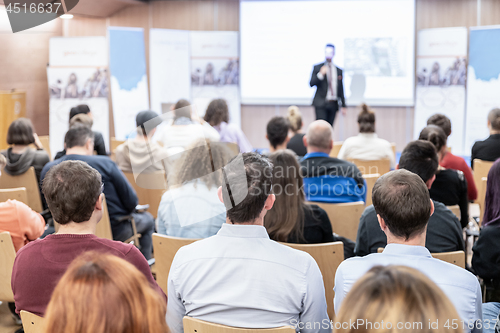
(329, 87)
(450, 186)
(121, 198)
(99, 145)
(444, 232)
(489, 149)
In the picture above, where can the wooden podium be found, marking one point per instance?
(12, 106)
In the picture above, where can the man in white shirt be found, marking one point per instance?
(240, 277)
(403, 205)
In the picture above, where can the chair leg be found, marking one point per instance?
(136, 235)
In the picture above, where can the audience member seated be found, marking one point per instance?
(20, 157)
(103, 293)
(403, 205)
(366, 145)
(277, 134)
(397, 299)
(328, 179)
(292, 220)
(73, 191)
(486, 258)
(194, 184)
(489, 149)
(296, 142)
(450, 161)
(136, 155)
(444, 233)
(120, 196)
(217, 115)
(247, 279)
(450, 186)
(83, 109)
(185, 128)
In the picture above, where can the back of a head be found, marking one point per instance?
(394, 299)
(182, 109)
(366, 120)
(77, 136)
(494, 119)
(435, 135)
(420, 157)
(319, 135)
(217, 112)
(104, 293)
(442, 121)
(20, 132)
(81, 119)
(253, 187)
(402, 199)
(492, 197)
(146, 121)
(294, 118)
(287, 216)
(277, 131)
(71, 189)
(79, 109)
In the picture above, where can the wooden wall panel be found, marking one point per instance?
(490, 12)
(183, 15)
(228, 15)
(445, 13)
(83, 26)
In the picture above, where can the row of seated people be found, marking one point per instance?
(239, 274)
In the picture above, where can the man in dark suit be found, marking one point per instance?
(329, 93)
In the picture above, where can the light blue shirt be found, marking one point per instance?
(241, 278)
(461, 287)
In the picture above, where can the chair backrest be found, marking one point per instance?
(344, 217)
(28, 180)
(193, 325)
(31, 322)
(7, 256)
(455, 209)
(481, 195)
(393, 147)
(18, 193)
(113, 144)
(45, 141)
(149, 188)
(333, 189)
(381, 166)
(165, 248)
(370, 182)
(481, 169)
(328, 256)
(336, 148)
(453, 257)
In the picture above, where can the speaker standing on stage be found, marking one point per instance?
(329, 93)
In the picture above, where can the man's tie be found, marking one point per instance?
(330, 78)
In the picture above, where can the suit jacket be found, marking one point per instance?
(322, 87)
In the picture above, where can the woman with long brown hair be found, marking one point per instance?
(291, 219)
(101, 293)
(397, 299)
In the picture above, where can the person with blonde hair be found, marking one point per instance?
(296, 142)
(101, 293)
(397, 299)
(366, 145)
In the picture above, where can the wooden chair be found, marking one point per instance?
(481, 169)
(18, 193)
(7, 256)
(31, 322)
(393, 146)
(44, 140)
(370, 182)
(193, 325)
(381, 167)
(149, 188)
(454, 257)
(336, 148)
(481, 195)
(328, 256)
(114, 143)
(165, 248)
(27, 180)
(344, 217)
(455, 209)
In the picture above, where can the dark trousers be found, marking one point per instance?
(327, 111)
(145, 224)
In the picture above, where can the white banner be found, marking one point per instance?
(78, 51)
(441, 73)
(169, 63)
(69, 87)
(483, 82)
(215, 70)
